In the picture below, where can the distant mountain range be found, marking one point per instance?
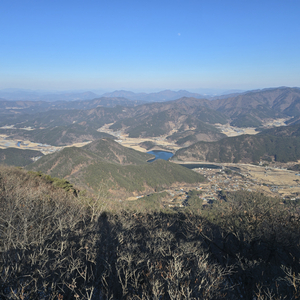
(261, 104)
(31, 107)
(166, 95)
(185, 120)
(162, 96)
(29, 95)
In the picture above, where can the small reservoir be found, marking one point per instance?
(205, 166)
(160, 155)
(165, 155)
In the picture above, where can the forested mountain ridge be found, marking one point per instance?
(183, 121)
(119, 169)
(292, 131)
(276, 100)
(260, 104)
(185, 116)
(147, 120)
(244, 149)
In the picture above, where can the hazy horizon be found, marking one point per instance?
(136, 91)
(149, 46)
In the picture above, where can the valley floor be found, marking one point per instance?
(275, 181)
(5, 142)
(231, 131)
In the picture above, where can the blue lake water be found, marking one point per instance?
(160, 155)
(166, 155)
(205, 166)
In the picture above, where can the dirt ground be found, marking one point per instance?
(268, 123)
(282, 181)
(133, 143)
(78, 144)
(235, 131)
(28, 145)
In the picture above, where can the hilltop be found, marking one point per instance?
(121, 170)
(113, 152)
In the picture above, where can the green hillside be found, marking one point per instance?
(111, 151)
(157, 175)
(121, 169)
(73, 159)
(18, 157)
(64, 162)
(244, 148)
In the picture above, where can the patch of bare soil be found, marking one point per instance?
(269, 123)
(235, 131)
(277, 181)
(161, 141)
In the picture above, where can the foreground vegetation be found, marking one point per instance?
(56, 245)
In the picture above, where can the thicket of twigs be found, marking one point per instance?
(54, 245)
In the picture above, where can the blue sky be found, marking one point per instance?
(147, 45)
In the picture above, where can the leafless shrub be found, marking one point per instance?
(57, 246)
